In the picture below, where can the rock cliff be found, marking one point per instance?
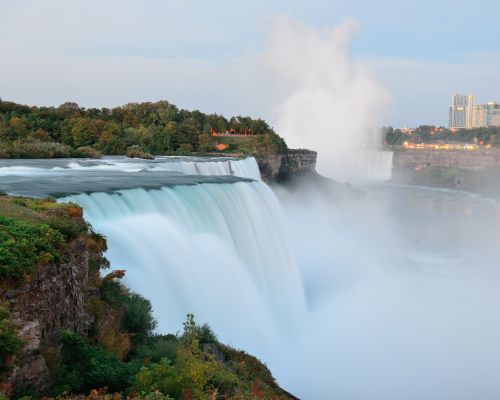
(464, 159)
(51, 301)
(52, 296)
(282, 168)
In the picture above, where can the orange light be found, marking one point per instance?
(221, 146)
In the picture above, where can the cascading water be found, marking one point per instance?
(376, 165)
(401, 285)
(240, 167)
(217, 250)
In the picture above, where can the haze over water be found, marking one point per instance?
(393, 295)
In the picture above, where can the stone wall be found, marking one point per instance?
(281, 168)
(463, 159)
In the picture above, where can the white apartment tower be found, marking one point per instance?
(486, 115)
(461, 111)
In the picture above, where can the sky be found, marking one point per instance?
(207, 55)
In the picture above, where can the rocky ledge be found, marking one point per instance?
(280, 168)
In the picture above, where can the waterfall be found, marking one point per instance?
(240, 167)
(219, 251)
(244, 168)
(376, 165)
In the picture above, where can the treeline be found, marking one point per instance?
(158, 128)
(429, 134)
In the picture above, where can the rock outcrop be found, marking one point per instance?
(282, 168)
(52, 300)
(52, 295)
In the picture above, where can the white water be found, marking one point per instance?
(401, 285)
(375, 165)
(244, 168)
(219, 251)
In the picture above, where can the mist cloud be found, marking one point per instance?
(329, 103)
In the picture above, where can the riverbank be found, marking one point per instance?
(484, 181)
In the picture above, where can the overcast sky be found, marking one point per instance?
(207, 54)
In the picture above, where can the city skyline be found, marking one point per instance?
(465, 114)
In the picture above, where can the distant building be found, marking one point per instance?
(461, 111)
(485, 115)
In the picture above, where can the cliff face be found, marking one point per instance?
(51, 296)
(282, 168)
(464, 159)
(52, 301)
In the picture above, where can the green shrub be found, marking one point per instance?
(203, 334)
(70, 228)
(194, 373)
(10, 343)
(25, 244)
(138, 318)
(137, 312)
(39, 149)
(85, 367)
(157, 347)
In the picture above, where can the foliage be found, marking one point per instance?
(10, 343)
(203, 334)
(86, 367)
(25, 244)
(35, 231)
(139, 129)
(88, 151)
(429, 133)
(194, 374)
(157, 347)
(138, 318)
(136, 151)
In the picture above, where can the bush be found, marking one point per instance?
(138, 318)
(157, 347)
(194, 374)
(25, 244)
(88, 151)
(9, 341)
(86, 367)
(136, 151)
(203, 334)
(39, 149)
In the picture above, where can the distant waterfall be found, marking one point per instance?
(376, 165)
(217, 250)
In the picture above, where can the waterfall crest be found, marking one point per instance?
(217, 250)
(214, 166)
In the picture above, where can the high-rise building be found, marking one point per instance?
(461, 111)
(485, 115)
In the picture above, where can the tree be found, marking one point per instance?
(138, 318)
